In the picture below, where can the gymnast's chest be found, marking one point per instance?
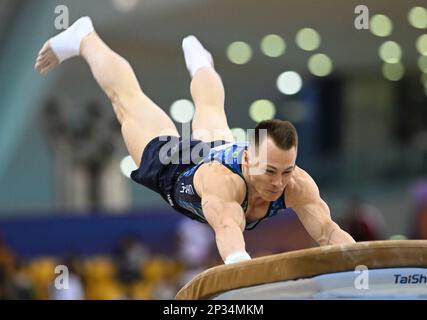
(256, 211)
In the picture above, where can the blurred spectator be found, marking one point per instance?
(418, 193)
(21, 284)
(195, 242)
(7, 258)
(364, 222)
(166, 289)
(195, 248)
(5, 285)
(130, 257)
(75, 289)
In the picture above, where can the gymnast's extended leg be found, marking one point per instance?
(140, 118)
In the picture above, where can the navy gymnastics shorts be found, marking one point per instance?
(164, 159)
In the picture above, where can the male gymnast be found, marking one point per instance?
(219, 187)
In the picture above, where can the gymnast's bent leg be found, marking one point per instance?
(207, 90)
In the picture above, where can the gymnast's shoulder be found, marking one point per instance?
(215, 176)
(301, 188)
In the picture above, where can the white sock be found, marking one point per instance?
(196, 56)
(67, 44)
(237, 256)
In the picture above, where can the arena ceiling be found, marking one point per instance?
(218, 22)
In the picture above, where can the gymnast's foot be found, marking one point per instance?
(196, 56)
(63, 46)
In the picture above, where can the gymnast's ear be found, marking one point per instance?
(250, 159)
(245, 158)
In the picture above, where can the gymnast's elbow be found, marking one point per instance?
(224, 216)
(331, 234)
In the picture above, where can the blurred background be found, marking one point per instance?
(357, 96)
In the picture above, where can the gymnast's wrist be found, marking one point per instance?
(237, 256)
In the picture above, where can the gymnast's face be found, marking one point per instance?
(275, 168)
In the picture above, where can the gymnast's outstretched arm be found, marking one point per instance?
(315, 215)
(222, 192)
